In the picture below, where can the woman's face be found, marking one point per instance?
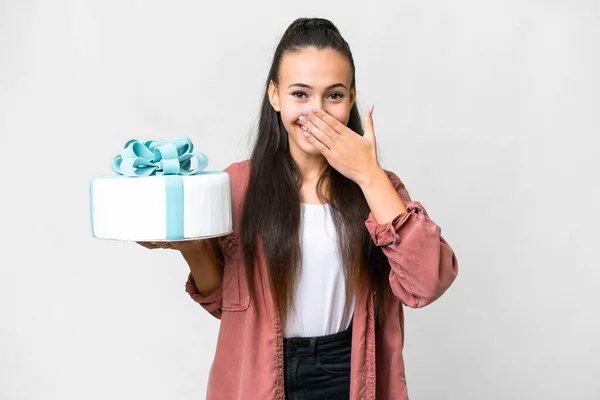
(320, 78)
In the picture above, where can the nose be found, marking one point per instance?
(317, 103)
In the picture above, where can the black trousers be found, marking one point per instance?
(318, 367)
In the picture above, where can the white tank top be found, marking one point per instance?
(318, 307)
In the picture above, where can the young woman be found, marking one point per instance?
(327, 246)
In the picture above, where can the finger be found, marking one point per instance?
(322, 125)
(368, 121)
(316, 132)
(315, 142)
(185, 245)
(333, 122)
(148, 245)
(164, 245)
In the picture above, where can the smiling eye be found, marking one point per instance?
(340, 95)
(298, 93)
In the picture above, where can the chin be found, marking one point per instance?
(310, 149)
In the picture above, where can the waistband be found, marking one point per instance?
(321, 343)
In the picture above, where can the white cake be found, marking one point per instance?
(161, 193)
(161, 207)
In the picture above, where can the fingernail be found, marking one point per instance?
(313, 109)
(303, 112)
(305, 133)
(372, 108)
(301, 118)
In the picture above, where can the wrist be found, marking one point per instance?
(371, 177)
(193, 250)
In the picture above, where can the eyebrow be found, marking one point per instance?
(310, 87)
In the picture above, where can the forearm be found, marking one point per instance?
(206, 269)
(422, 263)
(382, 197)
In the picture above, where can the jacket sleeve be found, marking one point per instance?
(213, 301)
(423, 265)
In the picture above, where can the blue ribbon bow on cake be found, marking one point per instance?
(156, 157)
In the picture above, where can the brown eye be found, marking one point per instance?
(298, 94)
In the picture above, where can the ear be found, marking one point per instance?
(274, 95)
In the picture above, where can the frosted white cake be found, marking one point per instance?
(141, 209)
(161, 193)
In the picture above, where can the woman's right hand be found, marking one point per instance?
(184, 246)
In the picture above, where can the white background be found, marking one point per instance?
(488, 111)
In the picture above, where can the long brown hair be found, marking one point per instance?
(272, 208)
